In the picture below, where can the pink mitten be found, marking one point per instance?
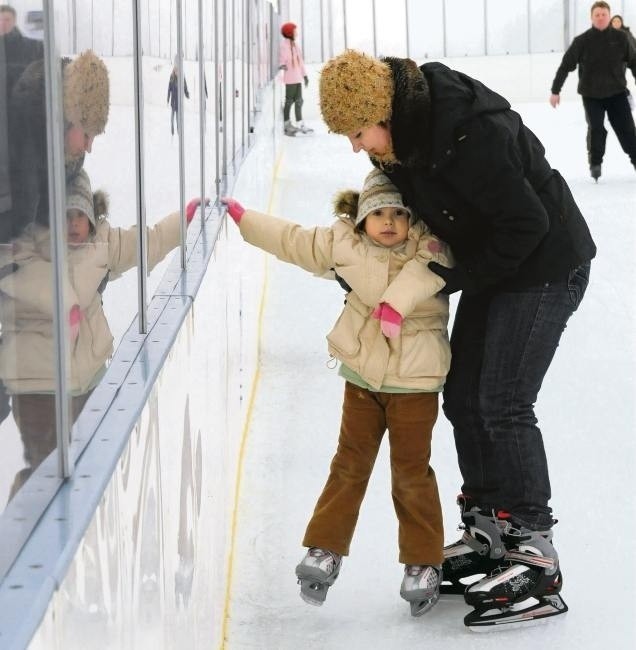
(234, 208)
(74, 318)
(390, 320)
(191, 208)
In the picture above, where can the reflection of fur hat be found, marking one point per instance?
(287, 30)
(79, 197)
(86, 98)
(356, 90)
(378, 192)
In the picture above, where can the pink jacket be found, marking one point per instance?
(290, 54)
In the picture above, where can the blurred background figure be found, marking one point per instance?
(18, 50)
(173, 96)
(617, 23)
(602, 55)
(290, 59)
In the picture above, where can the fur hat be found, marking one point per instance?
(356, 90)
(86, 94)
(86, 99)
(79, 197)
(287, 30)
(378, 192)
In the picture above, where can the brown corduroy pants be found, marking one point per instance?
(366, 415)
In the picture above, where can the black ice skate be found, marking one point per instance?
(477, 553)
(420, 587)
(316, 573)
(525, 588)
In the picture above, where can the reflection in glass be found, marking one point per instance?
(27, 301)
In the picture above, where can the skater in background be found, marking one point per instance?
(617, 23)
(97, 254)
(173, 96)
(465, 162)
(290, 59)
(392, 343)
(602, 55)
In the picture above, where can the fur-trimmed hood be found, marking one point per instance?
(429, 104)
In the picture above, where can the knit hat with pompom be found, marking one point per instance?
(378, 192)
(287, 30)
(80, 197)
(356, 90)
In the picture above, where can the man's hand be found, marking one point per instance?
(555, 100)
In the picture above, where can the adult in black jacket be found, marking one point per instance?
(602, 54)
(468, 166)
(16, 50)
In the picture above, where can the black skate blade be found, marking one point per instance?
(516, 616)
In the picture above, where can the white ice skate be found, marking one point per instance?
(420, 587)
(304, 129)
(317, 571)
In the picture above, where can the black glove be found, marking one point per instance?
(306, 80)
(457, 278)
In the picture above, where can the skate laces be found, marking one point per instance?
(317, 552)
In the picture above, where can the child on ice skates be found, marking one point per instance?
(290, 60)
(392, 342)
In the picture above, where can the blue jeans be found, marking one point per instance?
(502, 345)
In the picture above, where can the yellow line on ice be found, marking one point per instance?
(245, 432)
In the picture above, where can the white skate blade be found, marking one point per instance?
(312, 592)
(311, 601)
(420, 607)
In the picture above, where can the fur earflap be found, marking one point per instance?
(100, 204)
(346, 202)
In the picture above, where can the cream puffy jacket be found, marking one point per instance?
(27, 357)
(420, 357)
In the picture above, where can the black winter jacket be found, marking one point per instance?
(478, 177)
(16, 52)
(602, 56)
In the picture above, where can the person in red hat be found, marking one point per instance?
(294, 74)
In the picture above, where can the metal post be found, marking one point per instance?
(244, 114)
(74, 9)
(566, 24)
(217, 107)
(375, 34)
(529, 14)
(322, 31)
(57, 224)
(444, 26)
(406, 20)
(344, 16)
(302, 20)
(180, 121)
(233, 89)
(202, 99)
(250, 72)
(224, 91)
(142, 251)
(486, 27)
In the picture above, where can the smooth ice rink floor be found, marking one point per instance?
(585, 409)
